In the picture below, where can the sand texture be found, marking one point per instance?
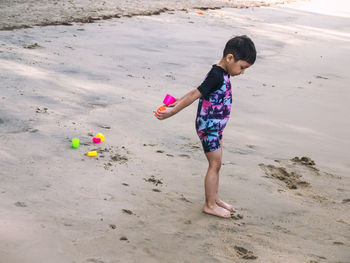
(28, 13)
(286, 166)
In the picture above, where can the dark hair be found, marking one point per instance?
(242, 48)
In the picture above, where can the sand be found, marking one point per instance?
(28, 13)
(140, 200)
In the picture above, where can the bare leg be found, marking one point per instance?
(211, 185)
(219, 202)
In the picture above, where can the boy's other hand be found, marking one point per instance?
(174, 104)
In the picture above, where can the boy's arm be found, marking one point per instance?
(185, 101)
(176, 102)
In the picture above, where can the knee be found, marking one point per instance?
(215, 164)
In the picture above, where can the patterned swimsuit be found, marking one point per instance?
(213, 108)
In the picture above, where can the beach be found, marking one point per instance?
(285, 148)
(28, 13)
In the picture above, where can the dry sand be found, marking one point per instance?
(141, 199)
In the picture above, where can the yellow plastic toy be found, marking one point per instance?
(101, 136)
(92, 154)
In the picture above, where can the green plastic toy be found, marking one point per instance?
(75, 143)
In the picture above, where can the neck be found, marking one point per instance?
(222, 64)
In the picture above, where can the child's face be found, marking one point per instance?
(235, 68)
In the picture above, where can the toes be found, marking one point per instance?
(226, 213)
(218, 211)
(225, 205)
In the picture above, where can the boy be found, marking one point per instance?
(214, 107)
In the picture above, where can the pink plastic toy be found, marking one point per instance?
(169, 100)
(96, 140)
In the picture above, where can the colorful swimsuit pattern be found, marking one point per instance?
(213, 108)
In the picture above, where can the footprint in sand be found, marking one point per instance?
(41, 110)
(303, 160)
(94, 260)
(149, 144)
(183, 198)
(30, 129)
(292, 179)
(245, 253)
(153, 180)
(32, 46)
(114, 157)
(20, 204)
(320, 77)
(250, 146)
(127, 211)
(236, 217)
(107, 166)
(104, 126)
(281, 229)
(119, 158)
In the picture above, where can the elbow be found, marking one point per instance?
(196, 94)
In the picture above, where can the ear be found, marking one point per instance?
(230, 57)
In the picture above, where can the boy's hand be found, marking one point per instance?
(179, 104)
(162, 115)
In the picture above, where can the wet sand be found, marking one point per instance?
(286, 146)
(29, 13)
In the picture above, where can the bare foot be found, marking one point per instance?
(224, 205)
(216, 211)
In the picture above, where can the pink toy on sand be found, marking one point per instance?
(168, 100)
(96, 140)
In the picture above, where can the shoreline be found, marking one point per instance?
(44, 14)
